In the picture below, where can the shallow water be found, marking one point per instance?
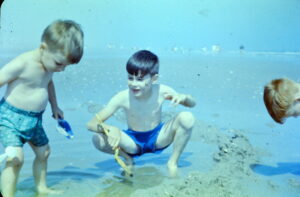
(228, 88)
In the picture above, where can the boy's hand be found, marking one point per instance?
(114, 137)
(175, 98)
(57, 113)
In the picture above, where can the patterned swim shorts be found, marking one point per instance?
(19, 126)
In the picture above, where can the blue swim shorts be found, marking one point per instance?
(19, 126)
(145, 140)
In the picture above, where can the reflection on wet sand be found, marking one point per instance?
(144, 178)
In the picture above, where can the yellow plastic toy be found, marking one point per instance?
(117, 150)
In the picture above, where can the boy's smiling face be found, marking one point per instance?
(140, 85)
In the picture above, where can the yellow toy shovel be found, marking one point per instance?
(117, 150)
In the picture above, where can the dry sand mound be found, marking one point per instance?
(231, 176)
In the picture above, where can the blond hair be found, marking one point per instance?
(65, 36)
(279, 95)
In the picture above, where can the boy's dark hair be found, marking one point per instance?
(144, 62)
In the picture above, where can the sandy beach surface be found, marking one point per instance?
(236, 149)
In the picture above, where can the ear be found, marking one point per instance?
(154, 78)
(297, 100)
(297, 96)
(43, 46)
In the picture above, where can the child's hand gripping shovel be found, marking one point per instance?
(64, 128)
(117, 150)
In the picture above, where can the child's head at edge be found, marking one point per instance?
(281, 97)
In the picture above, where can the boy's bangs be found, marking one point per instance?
(136, 70)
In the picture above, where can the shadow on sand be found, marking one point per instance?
(281, 168)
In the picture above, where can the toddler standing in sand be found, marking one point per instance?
(29, 87)
(142, 104)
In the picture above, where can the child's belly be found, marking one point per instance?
(31, 100)
(145, 124)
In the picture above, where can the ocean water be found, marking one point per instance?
(228, 88)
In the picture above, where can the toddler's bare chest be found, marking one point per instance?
(35, 79)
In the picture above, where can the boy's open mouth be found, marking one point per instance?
(135, 90)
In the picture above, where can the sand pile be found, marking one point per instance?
(231, 175)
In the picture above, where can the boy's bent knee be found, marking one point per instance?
(186, 120)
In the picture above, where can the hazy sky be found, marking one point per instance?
(258, 25)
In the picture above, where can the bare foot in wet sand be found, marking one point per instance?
(42, 192)
(173, 169)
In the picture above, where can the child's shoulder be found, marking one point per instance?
(123, 92)
(122, 95)
(18, 62)
(165, 89)
(119, 98)
(28, 55)
(25, 57)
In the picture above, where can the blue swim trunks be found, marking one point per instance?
(19, 126)
(145, 140)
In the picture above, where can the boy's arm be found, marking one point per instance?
(176, 98)
(56, 111)
(188, 101)
(113, 105)
(11, 71)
